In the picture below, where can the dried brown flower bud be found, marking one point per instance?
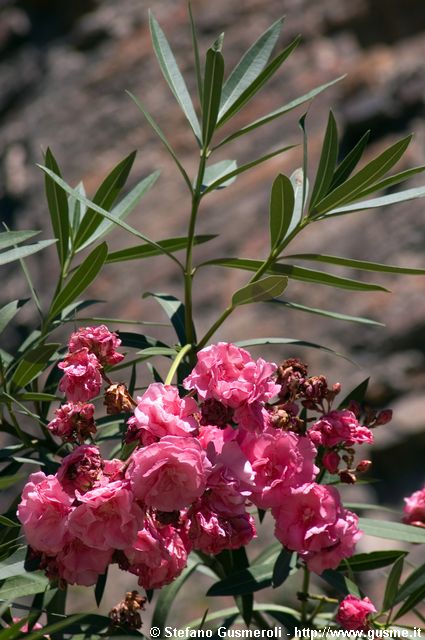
(215, 413)
(383, 417)
(347, 476)
(118, 399)
(126, 613)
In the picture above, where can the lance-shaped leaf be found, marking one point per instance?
(336, 315)
(282, 202)
(415, 598)
(249, 67)
(278, 112)
(22, 252)
(76, 210)
(246, 581)
(259, 81)
(392, 584)
(105, 196)
(371, 561)
(297, 273)
(392, 530)
(80, 279)
(349, 190)
(260, 290)
(349, 163)
(147, 251)
(175, 312)
(355, 264)
(228, 178)
(391, 181)
(25, 585)
(216, 175)
(9, 311)
(12, 238)
(58, 207)
(213, 82)
(382, 201)
(299, 186)
(299, 343)
(415, 581)
(123, 208)
(196, 54)
(172, 74)
(167, 596)
(327, 162)
(32, 363)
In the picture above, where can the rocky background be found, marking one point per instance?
(64, 69)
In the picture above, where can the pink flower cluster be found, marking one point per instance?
(201, 462)
(353, 613)
(414, 509)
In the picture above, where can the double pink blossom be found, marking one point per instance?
(211, 532)
(80, 564)
(414, 509)
(81, 469)
(73, 421)
(161, 412)
(339, 427)
(99, 341)
(81, 379)
(353, 613)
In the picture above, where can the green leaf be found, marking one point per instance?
(9, 311)
(397, 178)
(105, 197)
(300, 343)
(172, 74)
(76, 211)
(300, 188)
(23, 252)
(58, 207)
(242, 582)
(358, 394)
(123, 208)
(415, 581)
(6, 522)
(371, 561)
(216, 174)
(228, 178)
(213, 82)
(155, 127)
(289, 618)
(258, 82)
(392, 584)
(415, 598)
(158, 351)
(260, 290)
(167, 596)
(196, 54)
(282, 567)
(296, 273)
(355, 264)
(25, 585)
(80, 279)
(327, 162)
(328, 314)
(392, 530)
(175, 312)
(32, 363)
(100, 587)
(339, 582)
(282, 201)
(249, 67)
(12, 238)
(349, 163)
(278, 112)
(147, 251)
(139, 340)
(33, 396)
(56, 626)
(348, 191)
(9, 481)
(383, 201)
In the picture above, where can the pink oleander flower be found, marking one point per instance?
(81, 470)
(252, 417)
(81, 564)
(73, 421)
(339, 427)
(43, 512)
(161, 412)
(211, 532)
(212, 438)
(312, 521)
(228, 374)
(229, 487)
(157, 556)
(107, 517)
(331, 460)
(169, 474)
(281, 461)
(113, 469)
(353, 613)
(99, 341)
(81, 376)
(414, 509)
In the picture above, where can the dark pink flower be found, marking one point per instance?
(81, 376)
(281, 461)
(99, 341)
(226, 373)
(331, 460)
(81, 469)
(339, 427)
(353, 613)
(80, 564)
(312, 521)
(161, 412)
(211, 532)
(43, 512)
(158, 555)
(414, 509)
(169, 474)
(73, 422)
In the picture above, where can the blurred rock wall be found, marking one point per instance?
(64, 68)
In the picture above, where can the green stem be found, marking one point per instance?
(188, 271)
(304, 601)
(176, 362)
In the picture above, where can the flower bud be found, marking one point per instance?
(383, 417)
(331, 461)
(347, 476)
(363, 466)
